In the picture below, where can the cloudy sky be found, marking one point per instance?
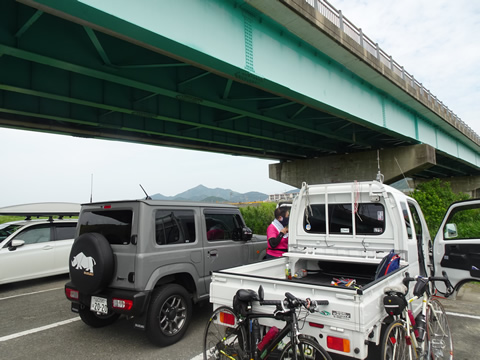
(437, 41)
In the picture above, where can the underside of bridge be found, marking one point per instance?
(411, 163)
(62, 74)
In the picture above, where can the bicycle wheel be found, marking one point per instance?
(394, 343)
(306, 349)
(223, 337)
(439, 337)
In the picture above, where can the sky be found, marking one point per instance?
(437, 41)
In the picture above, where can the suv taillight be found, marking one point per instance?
(71, 294)
(122, 304)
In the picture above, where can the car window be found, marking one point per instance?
(221, 226)
(467, 221)
(65, 231)
(115, 225)
(8, 230)
(35, 235)
(174, 227)
(369, 219)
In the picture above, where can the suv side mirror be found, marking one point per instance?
(450, 231)
(246, 233)
(242, 234)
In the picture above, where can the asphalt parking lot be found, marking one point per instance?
(37, 324)
(464, 319)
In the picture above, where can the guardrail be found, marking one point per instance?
(336, 17)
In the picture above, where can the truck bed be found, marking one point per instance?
(352, 310)
(320, 271)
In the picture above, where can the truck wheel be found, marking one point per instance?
(92, 319)
(169, 314)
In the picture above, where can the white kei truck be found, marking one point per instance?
(338, 236)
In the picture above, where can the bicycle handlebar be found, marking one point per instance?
(271, 302)
(450, 289)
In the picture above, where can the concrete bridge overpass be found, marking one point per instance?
(287, 80)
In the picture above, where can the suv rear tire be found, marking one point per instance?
(169, 314)
(92, 319)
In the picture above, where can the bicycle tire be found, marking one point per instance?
(310, 350)
(223, 337)
(439, 336)
(394, 343)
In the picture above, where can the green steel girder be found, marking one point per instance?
(251, 112)
(133, 111)
(172, 94)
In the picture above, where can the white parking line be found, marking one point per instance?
(32, 293)
(198, 357)
(42, 328)
(463, 315)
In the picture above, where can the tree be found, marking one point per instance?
(258, 218)
(434, 197)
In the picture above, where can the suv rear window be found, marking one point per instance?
(115, 225)
(369, 219)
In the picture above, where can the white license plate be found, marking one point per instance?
(99, 305)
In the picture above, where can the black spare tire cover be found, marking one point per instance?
(91, 263)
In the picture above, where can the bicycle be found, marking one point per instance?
(426, 337)
(234, 333)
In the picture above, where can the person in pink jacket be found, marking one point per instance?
(277, 233)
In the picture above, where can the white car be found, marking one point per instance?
(31, 249)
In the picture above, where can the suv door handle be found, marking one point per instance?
(212, 253)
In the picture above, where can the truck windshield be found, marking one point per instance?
(114, 225)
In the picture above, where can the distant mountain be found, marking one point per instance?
(205, 194)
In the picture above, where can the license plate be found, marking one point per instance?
(99, 305)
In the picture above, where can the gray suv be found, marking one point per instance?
(150, 260)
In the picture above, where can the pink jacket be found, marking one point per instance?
(272, 232)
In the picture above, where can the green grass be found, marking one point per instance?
(5, 218)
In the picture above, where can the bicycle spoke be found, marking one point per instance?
(395, 345)
(440, 342)
(223, 337)
(306, 349)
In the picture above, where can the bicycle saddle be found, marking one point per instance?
(247, 295)
(398, 289)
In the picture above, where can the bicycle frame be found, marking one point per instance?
(291, 326)
(416, 344)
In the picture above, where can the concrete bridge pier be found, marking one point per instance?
(395, 164)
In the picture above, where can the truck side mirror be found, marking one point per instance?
(450, 231)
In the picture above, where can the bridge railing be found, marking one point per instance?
(336, 17)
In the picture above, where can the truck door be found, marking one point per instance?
(420, 234)
(457, 244)
(222, 249)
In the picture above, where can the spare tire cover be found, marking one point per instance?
(91, 263)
